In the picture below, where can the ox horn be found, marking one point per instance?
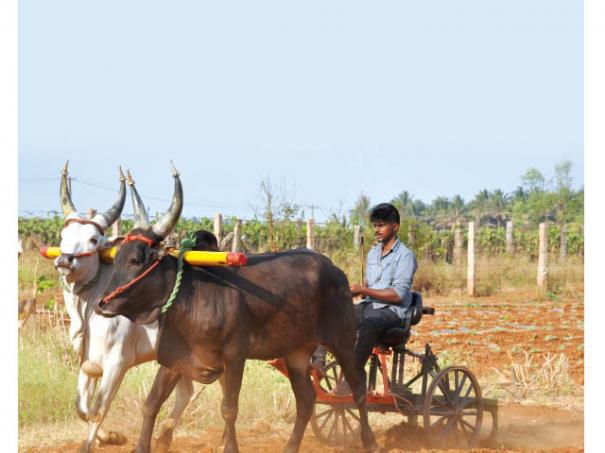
(66, 204)
(141, 219)
(167, 223)
(113, 213)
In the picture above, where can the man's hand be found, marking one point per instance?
(359, 290)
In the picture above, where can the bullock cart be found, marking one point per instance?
(447, 401)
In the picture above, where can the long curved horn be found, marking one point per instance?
(141, 219)
(167, 223)
(113, 213)
(66, 204)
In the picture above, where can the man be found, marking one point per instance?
(387, 290)
(205, 241)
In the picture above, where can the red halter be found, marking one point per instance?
(119, 290)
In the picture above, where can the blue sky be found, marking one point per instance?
(437, 98)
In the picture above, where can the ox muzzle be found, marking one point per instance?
(65, 261)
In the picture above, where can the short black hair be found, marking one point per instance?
(385, 212)
(205, 240)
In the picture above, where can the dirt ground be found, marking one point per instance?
(492, 331)
(487, 334)
(522, 428)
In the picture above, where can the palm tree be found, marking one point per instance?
(499, 204)
(479, 206)
(359, 213)
(404, 203)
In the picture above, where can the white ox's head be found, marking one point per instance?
(82, 238)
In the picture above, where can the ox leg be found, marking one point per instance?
(297, 363)
(346, 358)
(184, 394)
(234, 373)
(86, 388)
(221, 381)
(163, 385)
(113, 374)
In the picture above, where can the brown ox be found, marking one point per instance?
(279, 305)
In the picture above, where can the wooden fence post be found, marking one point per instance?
(563, 243)
(458, 243)
(357, 237)
(509, 236)
(236, 235)
(218, 227)
(299, 238)
(310, 238)
(470, 281)
(91, 213)
(115, 228)
(543, 258)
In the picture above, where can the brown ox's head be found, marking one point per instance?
(138, 286)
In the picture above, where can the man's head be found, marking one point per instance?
(205, 240)
(385, 219)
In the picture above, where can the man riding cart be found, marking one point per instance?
(386, 291)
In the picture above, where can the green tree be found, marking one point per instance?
(359, 214)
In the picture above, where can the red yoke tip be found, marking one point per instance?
(236, 259)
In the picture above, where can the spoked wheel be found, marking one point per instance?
(453, 409)
(335, 424)
(334, 374)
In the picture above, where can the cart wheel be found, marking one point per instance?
(335, 425)
(453, 409)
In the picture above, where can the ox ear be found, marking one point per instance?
(114, 242)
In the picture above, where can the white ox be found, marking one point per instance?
(107, 348)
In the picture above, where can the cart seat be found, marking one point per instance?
(398, 336)
(395, 336)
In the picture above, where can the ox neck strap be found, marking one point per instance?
(186, 245)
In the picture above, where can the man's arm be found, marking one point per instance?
(402, 283)
(388, 295)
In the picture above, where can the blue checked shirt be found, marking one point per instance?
(394, 270)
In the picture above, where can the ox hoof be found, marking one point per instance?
(111, 438)
(79, 410)
(164, 440)
(86, 448)
(369, 443)
(230, 449)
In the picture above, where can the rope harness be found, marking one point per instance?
(186, 245)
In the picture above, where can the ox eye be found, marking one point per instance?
(94, 241)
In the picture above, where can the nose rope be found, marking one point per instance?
(115, 293)
(119, 290)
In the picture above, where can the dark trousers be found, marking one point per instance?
(371, 325)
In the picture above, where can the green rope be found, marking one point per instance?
(186, 244)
